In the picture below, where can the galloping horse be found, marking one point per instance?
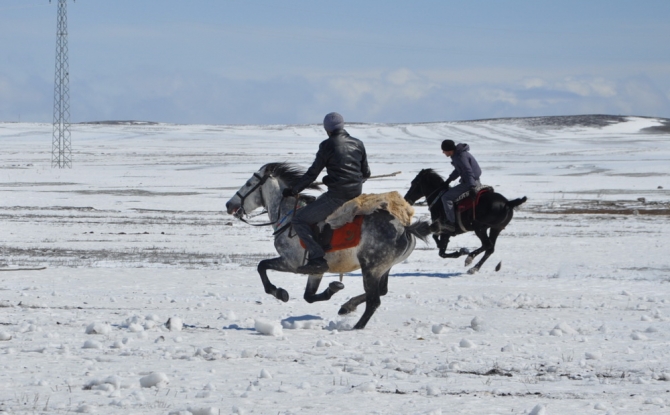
(492, 211)
(384, 242)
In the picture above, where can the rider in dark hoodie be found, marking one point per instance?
(346, 164)
(465, 167)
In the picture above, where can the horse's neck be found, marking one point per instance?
(431, 191)
(280, 209)
(274, 201)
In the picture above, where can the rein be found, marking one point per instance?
(430, 205)
(261, 182)
(279, 221)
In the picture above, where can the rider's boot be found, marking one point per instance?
(314, 266)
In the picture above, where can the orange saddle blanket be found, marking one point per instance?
(347, 236)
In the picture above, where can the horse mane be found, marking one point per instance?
(432, 177)
(288, 173)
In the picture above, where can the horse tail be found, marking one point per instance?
(420, 229)
(516, 202)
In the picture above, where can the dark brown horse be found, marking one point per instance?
(490, 216)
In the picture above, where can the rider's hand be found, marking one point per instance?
(445, 186)
(288, 192)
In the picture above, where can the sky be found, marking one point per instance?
(291, 62)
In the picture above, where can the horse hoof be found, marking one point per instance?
(335, 286)
(464, 251)
(468, 261)
(343, 311)
(282, 294)
(473, 270)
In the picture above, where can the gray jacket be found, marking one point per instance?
(465, 166)
(346, 164)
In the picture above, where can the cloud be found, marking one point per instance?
(401, 95)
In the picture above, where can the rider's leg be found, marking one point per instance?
(448, 202)
(304, 218)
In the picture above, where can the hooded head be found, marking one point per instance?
(448, 145)
(333, 122)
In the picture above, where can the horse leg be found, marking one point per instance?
(441, 241)
(277, 264)
(313, 282)
(437, 240)
(484, 239)
(371, 283)
(350, 306)
(443, 249)
(384, 283)
(490, 248)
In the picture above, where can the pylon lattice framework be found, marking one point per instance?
(61, 152)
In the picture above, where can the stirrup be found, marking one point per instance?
(449, 227)
(314, 266)
(440, 226)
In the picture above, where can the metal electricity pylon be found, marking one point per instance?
(61, 152)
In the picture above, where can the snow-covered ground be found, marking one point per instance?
(577, 321)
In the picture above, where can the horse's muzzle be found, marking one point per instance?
(234, 210)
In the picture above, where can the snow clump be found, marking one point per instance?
(478, 324)
(109, 384)
(467, 344)
(174, 324)
(565, 328)
(638, 336)
(157, 379)
(92, 344)
(439, 328)
(204, 411)
(98, 328)
(268, 328)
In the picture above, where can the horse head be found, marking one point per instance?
(249, 197)
(264, 188)
(425, 183)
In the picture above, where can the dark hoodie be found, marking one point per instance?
(465, 166)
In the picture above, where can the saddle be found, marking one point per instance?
(345, 237)
(342, 229)
(464, 203)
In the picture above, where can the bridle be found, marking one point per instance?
(279, 221)
(240, 212)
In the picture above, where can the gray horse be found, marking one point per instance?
(384, 241)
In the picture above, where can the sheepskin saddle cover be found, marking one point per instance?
(366, 204)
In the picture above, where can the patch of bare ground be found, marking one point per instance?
(132, 257)
(599, 207)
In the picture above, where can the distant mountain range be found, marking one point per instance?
(589, 120)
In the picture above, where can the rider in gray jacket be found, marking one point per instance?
(346, 164)
(465, 167)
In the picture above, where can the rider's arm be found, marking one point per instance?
(467, 176)
(365, 169)
(313, 172)
(453, 176)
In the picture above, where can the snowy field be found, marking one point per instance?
(577, 321)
